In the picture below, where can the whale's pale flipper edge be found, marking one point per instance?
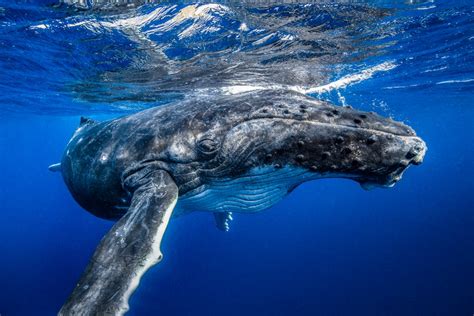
(128, 250)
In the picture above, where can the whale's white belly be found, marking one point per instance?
(258, 190)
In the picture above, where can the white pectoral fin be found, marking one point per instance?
(223, 220)
(128, 250)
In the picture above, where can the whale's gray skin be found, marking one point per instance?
(239, 153)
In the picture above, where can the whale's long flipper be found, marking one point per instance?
(128, 250)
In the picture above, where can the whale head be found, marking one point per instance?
(289, 131)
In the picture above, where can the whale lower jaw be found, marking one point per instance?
(255, 191)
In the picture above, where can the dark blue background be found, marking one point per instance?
(329, 248)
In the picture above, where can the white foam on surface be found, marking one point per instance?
(353, 78)
(335, 85)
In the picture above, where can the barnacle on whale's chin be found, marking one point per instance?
(414, 157)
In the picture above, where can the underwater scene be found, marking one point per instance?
(253, 157)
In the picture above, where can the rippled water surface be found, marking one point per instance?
(70, 60)
(329, 248)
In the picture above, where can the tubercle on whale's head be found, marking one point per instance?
(324, 139)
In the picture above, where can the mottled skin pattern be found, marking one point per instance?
(181, 149)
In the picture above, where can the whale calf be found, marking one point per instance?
(239, 153)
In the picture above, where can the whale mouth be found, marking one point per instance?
(386, 126)
(414, 157)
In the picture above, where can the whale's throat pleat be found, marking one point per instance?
(254, 191)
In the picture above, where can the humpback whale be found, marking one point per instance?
(239, 153)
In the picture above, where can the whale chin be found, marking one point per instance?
(389, 182)
(368, 186)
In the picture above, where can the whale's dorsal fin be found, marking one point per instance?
(223, 220)
(86, 121)
(128, 250)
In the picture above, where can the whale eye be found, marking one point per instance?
(207, 146)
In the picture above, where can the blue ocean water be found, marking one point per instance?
(329, 248)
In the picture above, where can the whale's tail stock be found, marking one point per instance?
(55, 167)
